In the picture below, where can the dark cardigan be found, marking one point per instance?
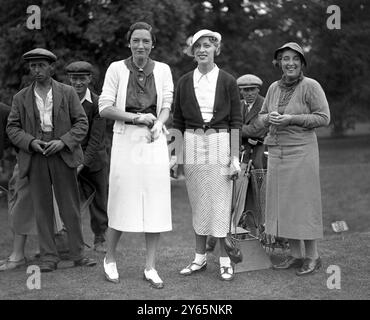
(226, 111)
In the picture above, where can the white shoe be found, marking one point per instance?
(111, 273)
(227, 273)
(194, 267)
(154, 279)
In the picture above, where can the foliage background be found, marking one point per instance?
(94, 30)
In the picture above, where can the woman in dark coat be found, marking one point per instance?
(207, 111)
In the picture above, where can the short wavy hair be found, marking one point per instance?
(140, 25)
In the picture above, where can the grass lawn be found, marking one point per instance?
(345, 177)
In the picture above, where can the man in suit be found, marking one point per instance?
(47, 123)
(252, 135)
(252, 143)
(95, 165)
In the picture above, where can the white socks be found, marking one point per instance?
(200, 258)
(225, 262)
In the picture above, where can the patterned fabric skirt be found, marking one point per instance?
(206, 167)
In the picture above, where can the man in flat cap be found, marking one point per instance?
(95, 165)
(48, 123)
(252, 135)
(252, 138)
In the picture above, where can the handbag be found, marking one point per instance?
(232, 249)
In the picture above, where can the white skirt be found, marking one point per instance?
(139, 182)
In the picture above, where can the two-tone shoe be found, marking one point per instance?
(193, 267)
(153, 278)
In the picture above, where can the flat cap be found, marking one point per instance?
(40, 53)
(249, 80)
(293, 46)
(79, 67)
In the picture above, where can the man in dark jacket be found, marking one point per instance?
(47, 123)
(95, 165)
(252, 135)
(252, 143)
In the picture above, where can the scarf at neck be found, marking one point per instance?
(285, 83)
(287, 88)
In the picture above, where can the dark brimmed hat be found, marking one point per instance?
(79, 67)
(293, 46)
(249, 81)
(39, 53)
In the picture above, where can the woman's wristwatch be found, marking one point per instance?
(134, 119)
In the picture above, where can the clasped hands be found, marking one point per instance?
(279, 120)
(47, 148)
(153, 123)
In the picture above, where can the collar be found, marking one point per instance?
(210, 76)
(148, 68)
(49, 94)
(87, 96)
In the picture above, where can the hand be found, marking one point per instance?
(280, 120)
(79, 168)
(252, 141)
(146, 119)
(235, 168)
(53, 146)
(38, 145)
(156, 130)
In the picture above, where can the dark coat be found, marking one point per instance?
(226, 111)
(250, 129)
(4, 140)
(93, 145)
(254, 130)
(69, 121)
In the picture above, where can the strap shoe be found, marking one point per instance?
(193, 267)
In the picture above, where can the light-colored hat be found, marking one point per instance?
(293, 46)
(40, 53)
(248, 81)
(198, 35)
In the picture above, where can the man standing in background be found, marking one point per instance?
(252, 135)
(47, 123)
(95, 165)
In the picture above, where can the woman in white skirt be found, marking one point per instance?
(137, 94)
(294, 106)
(207, 110)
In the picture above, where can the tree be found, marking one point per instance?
(92, 30)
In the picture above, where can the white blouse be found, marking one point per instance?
(205, 91)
